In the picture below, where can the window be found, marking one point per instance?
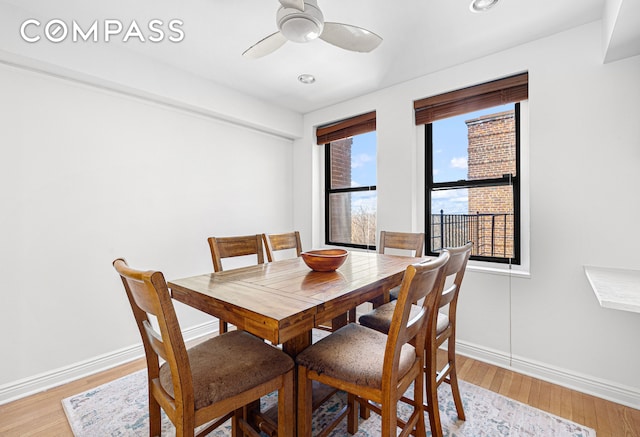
(473, 168)
(350, 181)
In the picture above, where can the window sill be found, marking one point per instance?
(476, 266)
(499, 269)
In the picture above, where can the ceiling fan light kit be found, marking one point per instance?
(482, 5)
(300, 26)
(302, 21)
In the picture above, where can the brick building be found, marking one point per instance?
(340, 204)
(491, 153)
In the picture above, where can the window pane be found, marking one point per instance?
(476, 145)
(353, 217)
(483, 215)
(353, 161)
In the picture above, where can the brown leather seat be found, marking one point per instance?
(442, 328)
(372, 366)
(208, 383)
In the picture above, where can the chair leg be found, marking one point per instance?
(418, 405)
(286, 406)
(453, 378)
(224, 327)
(434, 414)
(431, 388)
(365, 412)
(186, 426)
(236, 430)
(352, 415)
(155, 424)
(389, 426)
(351, 318)
(304, 403)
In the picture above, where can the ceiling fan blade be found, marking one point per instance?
(350, 37)
(265, 46)
(295, 4)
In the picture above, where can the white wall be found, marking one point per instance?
(70, 195)
(584, 155)
(88, 175)
(119, 68)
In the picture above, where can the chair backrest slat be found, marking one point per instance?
(447, 295)
(422, 282)
(276, 242)
(155, 340)
(229, 247)
(455, 269)
(402, 240)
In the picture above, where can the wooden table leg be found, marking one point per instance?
(339, 322)
(266, 421)
(297, 344)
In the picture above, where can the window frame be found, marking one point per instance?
(334, 131)
(505, 180)
(329, 190)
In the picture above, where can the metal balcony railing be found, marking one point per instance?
(490, 233)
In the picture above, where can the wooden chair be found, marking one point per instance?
(276, 242)
(442, 328)
(410, 242)
(210, 382)
(229, 247)
(402, 240)
(372, 366)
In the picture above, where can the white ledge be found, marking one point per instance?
(498, 269)
(615, 288)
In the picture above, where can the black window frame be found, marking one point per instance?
(329, 190)
(505, 180)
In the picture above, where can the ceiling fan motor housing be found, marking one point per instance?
(300, 26)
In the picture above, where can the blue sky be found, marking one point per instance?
(450, 159)
(363, 160)
(363, 170)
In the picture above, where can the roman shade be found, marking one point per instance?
(498, 92)
(359, 124)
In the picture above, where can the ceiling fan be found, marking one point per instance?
(302, 21)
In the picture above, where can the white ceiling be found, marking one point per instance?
(420, 36)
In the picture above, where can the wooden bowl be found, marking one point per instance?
(324, 260)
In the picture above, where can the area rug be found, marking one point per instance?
(119, 408)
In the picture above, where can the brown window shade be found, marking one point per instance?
(346, 128)
(498, 92)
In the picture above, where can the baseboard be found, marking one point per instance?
(44, 381)
(583, 383)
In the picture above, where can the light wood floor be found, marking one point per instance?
(42, 414)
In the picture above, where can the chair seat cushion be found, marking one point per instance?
(380, 318)
(355, 354)
(229, 364)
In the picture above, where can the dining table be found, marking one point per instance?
(282, 301)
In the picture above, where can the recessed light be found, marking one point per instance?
(482, 5)
(306, 79)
